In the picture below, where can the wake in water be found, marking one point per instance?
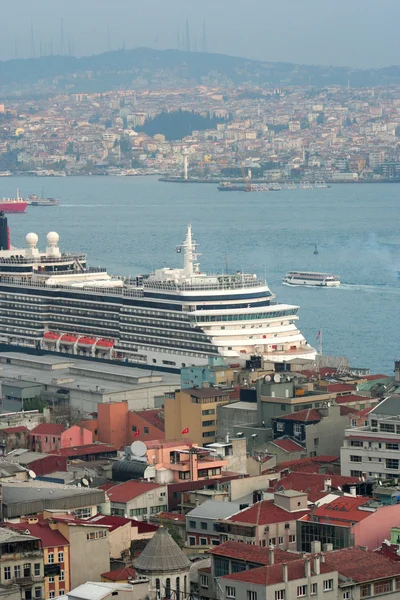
(382, 288)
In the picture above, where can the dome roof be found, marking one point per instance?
(162, 555)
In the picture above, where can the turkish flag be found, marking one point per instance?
(186, 430)
(137, 432)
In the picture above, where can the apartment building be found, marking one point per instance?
(373, 450)
(21, 563)
(138, 499)
(193, 411)
(202, 527)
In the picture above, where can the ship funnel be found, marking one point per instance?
(4, 232)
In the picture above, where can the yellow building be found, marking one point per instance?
(193, 411)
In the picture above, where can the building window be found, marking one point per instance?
(208, 411)
(392, 463)
(230, 591)
(297, 429)
(365, 590)
(301, 591)
(192, 524)
(7, 573)
(354, 473)
(61, 592)
(83, 513)
(280, 540)
(346, 595)
(50, 558)
(167, 582)
(38, 592)
(208, 434)
(354, 422)
(17, 571)
(192, 540)
(383, 587)
(287, 525)
(208, 423)
(355, 458)
(204, 581)
(203, 541)
(387, 427)
(316, 442)
(203, 526)
(221, 566)
(356, 443)
(134, 428)
(52, 579)
(392, 446)
(251, 595)
(280, 426)
(146, 429)
(328, 585)
(61, 576)
(184, 475)
(292, 539)
(61, 557)
(52, 594)
(280, 595)
(314, 589)
(136, 512)
(272, 541)
(27, 569)
(157, 509)
(37, 569)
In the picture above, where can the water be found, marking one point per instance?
(132, 225)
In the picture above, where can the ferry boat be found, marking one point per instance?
(311, 278)
(34, 200)
(175, 317)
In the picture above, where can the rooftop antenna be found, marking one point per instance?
(187, 36)
(178, 39)
(204, 40)
(33, 50)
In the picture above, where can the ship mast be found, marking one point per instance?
(189, 255)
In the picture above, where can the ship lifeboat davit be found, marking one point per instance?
(86, 342)
(68, 339)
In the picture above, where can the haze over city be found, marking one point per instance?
(345, 33)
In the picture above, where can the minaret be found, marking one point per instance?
(185, 164)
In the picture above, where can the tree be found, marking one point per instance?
(320, 120)
(36, 403)
(70, 149)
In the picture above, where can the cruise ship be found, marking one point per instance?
(175, 317)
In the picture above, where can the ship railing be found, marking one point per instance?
(41, 259)
(222, 284)
(114, 291)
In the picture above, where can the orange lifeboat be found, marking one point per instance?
(105, 344)
(69, 339)
(86, 341)
(51, 336)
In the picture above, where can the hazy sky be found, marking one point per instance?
(357, 33)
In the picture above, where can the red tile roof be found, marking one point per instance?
(113, 521)
(120, 574)
(344, 510)
(152, 417)
(169, 516)
(50, 538)
(273, 574)
(49, 429)
(337, 388)
(253, 554)
(311, 483)
(373, 377)
(124, 492)
(264, 513)
(143, 527)
(348, 410)
(307, 465)
(85, 449)
(361, 565)
(308, 415)
(18, 429)
(288, 445)
(352, 398)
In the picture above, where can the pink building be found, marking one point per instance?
(48, 437)
(184, 460)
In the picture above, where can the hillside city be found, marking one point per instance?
(332, 134)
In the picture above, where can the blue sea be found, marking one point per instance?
(133, 224)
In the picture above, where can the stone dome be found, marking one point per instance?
(162, 555)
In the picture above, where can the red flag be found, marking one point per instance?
(319, 334)
(137, 432)
(186, 430)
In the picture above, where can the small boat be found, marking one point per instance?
(311, 278)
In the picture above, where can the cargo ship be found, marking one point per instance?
(13, 205)
(51, 301)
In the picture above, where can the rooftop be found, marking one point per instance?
(288, 445)
(50, 537)
(162, 555)
(253, 554)
(205, 392)
(309, 415)
(273, 574)
(92, 590)
(311, 483)
(96, 448)
(48, 428)
(124, 492)
(214, 509)
(265, 513)
(120, 574)
(361, 565)
(152, 417)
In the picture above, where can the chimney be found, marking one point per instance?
(353, 490)
(317, 564)
(322, 557)
(307, 567)
(327, 485)
(315, 547)
(285, 572)
(271, 555)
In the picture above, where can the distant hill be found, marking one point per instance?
(146, 67)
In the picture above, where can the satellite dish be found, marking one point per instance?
(277, 378)
(32, 474)
(85, 482)
(138, 448)
(339, 488)
(380, 482)
(267, 378)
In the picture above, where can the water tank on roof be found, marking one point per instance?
(124, 470)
